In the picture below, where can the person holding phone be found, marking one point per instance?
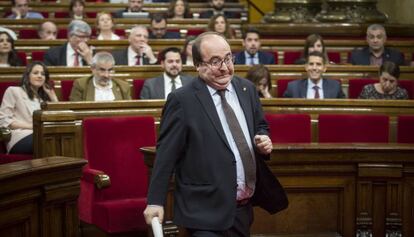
(19, 102)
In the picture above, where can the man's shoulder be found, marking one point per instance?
(34, 15)
(119, 52)
(56, 49)
(83, 81)
(121, 83)
(392, 51)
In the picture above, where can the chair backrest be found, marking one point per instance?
(334, 57)
(23, 57)
(62, 34)
(28, 34)
(137, 84)
(4, 85)
(38, 56)
(405, 129)
(62, 14)
(282, 86)
(409, 86)
(348, 128)
(356, 85)
(289, 57)
(112, 144)
(66, 88)
(289, 128)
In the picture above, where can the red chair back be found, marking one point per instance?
(28, 34)
(282, 86)
(66, 88)
(405, 129)
(63, 14)
(334, 57)
(195, 32)
(409, 86)
(4, 85)
(137, 84)
(23, 57)
(349, 128)
(62, 34)
(38, 55)
(291, 56)
(356, 85)
(289, 128)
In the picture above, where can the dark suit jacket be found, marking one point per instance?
(362, 56)
(121, 57)
(56, 56)
(264, 58)
(168, 35)
(227, 14)
(298, 89)
(154, 88)
(192, 143)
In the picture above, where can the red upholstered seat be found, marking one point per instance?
(23, 57)
(62, 34)
(356, 85)
(63, 14)
(111, 146)
(353, 128)
(195, 32)
(282, 86)
(38, 55)
(405, 129)
(28, 34)
(289, 128)
(4, 85)
(409, 86)
(66, 88)
(334, 57)
(291, 56)
(137, 84)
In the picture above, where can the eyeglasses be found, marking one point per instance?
(217, 63)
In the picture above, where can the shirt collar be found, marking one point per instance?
(109, 86)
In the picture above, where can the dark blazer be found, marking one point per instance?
(192, 143)
(56, 56)
(362, 56)
(227, 14)
(154, 88)
(121, 57)
(264, 58)
(298, 88)
(168, 35)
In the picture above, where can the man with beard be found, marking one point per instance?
(100, 86)
(376, 53)
(314, 87)
(160, 87)
(252, 54)
(218, 8)
(133, 6)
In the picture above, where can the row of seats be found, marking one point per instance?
(339, 128)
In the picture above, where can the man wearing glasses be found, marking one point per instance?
(100, 86)
(75, 52)
(214, 137)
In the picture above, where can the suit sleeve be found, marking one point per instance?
(48, 59)
(288, 92)
(8, 106)
(341, 94)
(77, 92)
(145, 92)
(170, 147)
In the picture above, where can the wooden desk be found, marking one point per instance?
(338, 190)
(38, 198)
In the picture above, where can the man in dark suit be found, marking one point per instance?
(76, 51)
(213, 136)
(160, 87)
(133, 6)
(251, 55)
(376, 53)
(159, 28)
(218, 8)
(139, 52)
(314, 87)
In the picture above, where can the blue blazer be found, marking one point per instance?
(362, 56)
(264, 58)
(298, 89)
(168, 35)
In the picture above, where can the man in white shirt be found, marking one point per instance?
(76, 51)
(20, 10)
(139, 52)
(172, 79)
(100, 86)
(252, 55)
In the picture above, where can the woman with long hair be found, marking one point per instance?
(219, 23)
(8, 55)
(314, 42)
(179, 9)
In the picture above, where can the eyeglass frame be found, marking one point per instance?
(227, 59)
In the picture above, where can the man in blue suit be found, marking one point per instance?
(376, 53)
(159, 28)
(251, 54)
(314, 87)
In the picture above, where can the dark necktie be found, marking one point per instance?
(251, 57)
(173, 84)
(240, 140)
(138, 62)
(316, 88)
(76, 60)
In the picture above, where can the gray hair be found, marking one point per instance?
(79, 26)
(376, 27)
(102, 57)
(138, 27)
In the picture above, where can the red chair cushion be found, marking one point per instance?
(38, 55)
(62, 14)
(195, 32)
(62, 34)
(4, 85)
(405, 129)
(66, 88)
(356, 85)
(291, 56)
(334, 57)
(28, 34)
(137, 84)
(349, 128)
(409, 86)
(289, 128)
(23, 57)
(282, 86)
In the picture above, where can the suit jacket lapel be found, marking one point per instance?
(245, 103)
(159, 87)
(203, 95)
(63, 54)
(303, 88)
(90, 91)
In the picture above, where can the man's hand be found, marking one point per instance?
(16, 12)
(152, 211)
(147, 50)
(263, 144)
(86, 52)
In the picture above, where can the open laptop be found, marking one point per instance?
(141, 15)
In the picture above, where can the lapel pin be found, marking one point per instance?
(244, 89)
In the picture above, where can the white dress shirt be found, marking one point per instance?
(103, 93)
(248, 58)
(168, 84)
(310, 93)
(132, 57)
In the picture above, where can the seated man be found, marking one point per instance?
(133, 6)
(138, 51)
(218, 8)
(47, 31)
(252, 55)
(160, 87)
(20, 10)
(100, 86)
(75, 52)
(376, 53)
(159, 28)
(314, 87)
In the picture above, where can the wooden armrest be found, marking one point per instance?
(5, 134)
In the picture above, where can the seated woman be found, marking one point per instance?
(387, 88)
(314, 42)
(8, 55)
(179, 9)
(187, 52)
(220, 24)
(18, 104)
(105, 26)
(76, 9)
(260, 76)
